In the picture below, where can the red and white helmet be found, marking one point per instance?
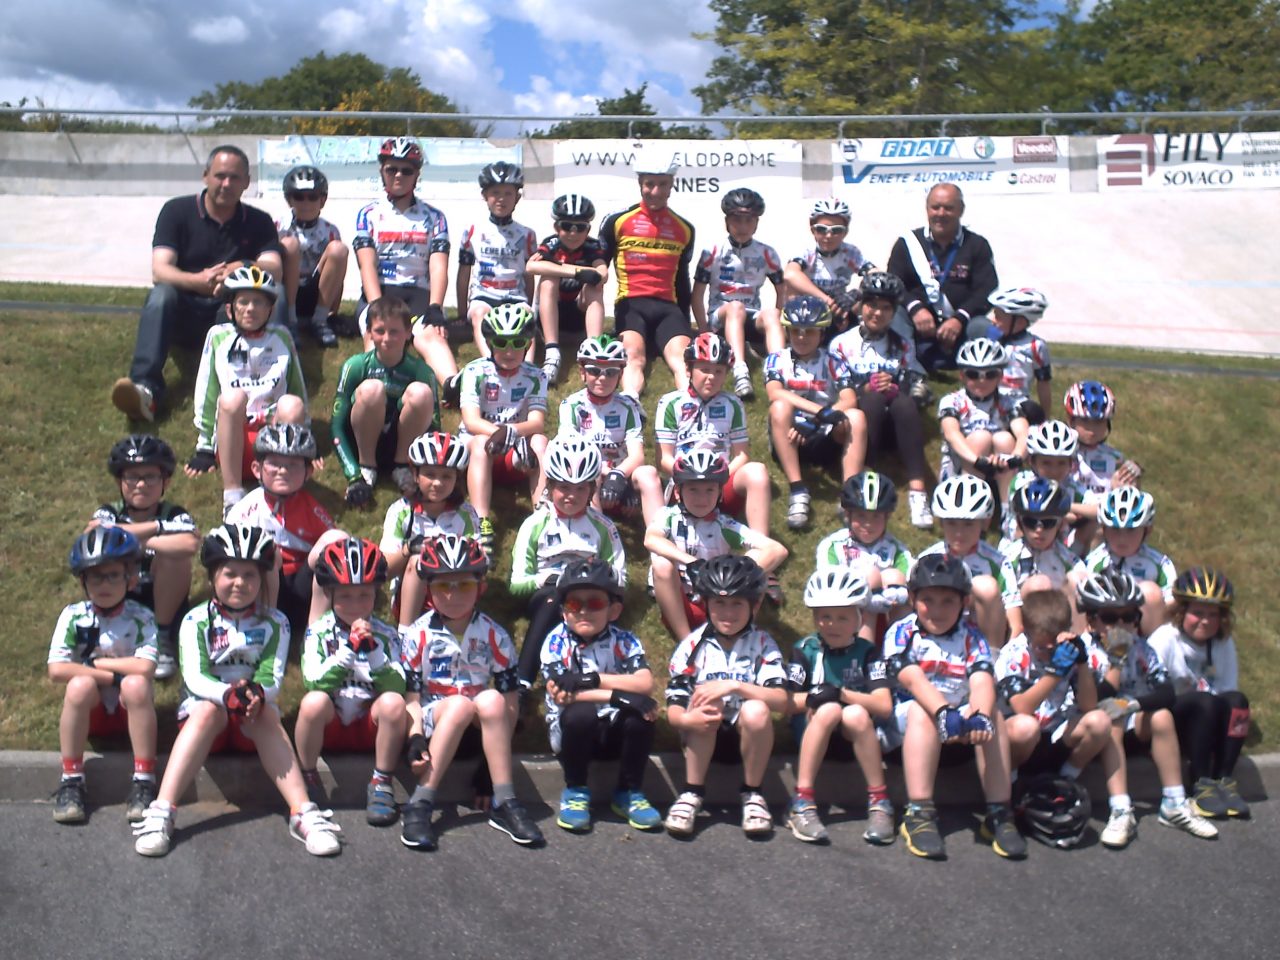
(439, 449)
(400, 148)
(1025, 302)
(449, 553)
(708, 348)
(350, 562)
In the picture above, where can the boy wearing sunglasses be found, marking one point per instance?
(599, 703)
(829, 268)
(315, 258)
(1040, 560)
(982, 431)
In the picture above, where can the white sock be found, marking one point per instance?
(1174, 796)
(320, 315)
(233, 496)
(1120, 801)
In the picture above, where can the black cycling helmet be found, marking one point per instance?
(701, 464)
(103, 545)
(235, 541)
(306, 178)
(592, 573)
(742, 200)
(141, 450)
(574, 207)
(868, 490)
(940, 570)
(881, 285)
(501, 172)
(1054, 810)
(731, 576)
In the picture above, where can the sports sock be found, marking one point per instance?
(1174, 796)
(805, 793)
(72, 767)
(320, 315)
(697, 789)
(423, 795)
(1120, 801)
(1070, 771)
(502, 792)
(380, 776)
(877, 794)
(144, 768)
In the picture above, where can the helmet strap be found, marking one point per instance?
(217, 606)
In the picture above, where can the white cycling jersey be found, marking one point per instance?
(312, 239)
(831, 272)
(986, 561)
(736, 273)
(613, 651)
(404, 240)
(840, 549)
(1209, 668)
(406, 520)
(497, 254)
(1057, 562)
(992, 414)
(610, 424)
(948, 660)
(1147, 564)
(1017, 669)
(264, 365)
(217, 648)
(819, 377)
(502, 396)
(1095, 467)
(753, 658)
(438, 664)
(1028, 363)
(687, 422)
(353, 687)
(888, 353)
(548, 541)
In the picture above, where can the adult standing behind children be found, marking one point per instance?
(949, 272)
(650, 248)
(199, 240)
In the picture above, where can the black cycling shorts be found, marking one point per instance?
(658, 321)
(416, 298)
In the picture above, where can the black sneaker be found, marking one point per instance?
(323, 333)
(1000, 831)
(451, 392)
(1229, 790)
(1208, 799)
(343, 325)
(69, 801)
(141, 795)
(920, 831)
(415, 827)
(514, 820)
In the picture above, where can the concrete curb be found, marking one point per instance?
(239, 780)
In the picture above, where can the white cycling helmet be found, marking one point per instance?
(252, 277)
(604, 351)
(964, 497)
(572, 459)
(835, 587)
(1127, 508)
(829, 207)
(439, 449)
(653, 160)
(981, 354)
(1022, 302)
(1053, 438)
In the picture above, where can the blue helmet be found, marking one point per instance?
(1041, 498)
(806, 312)
(1090, 400)
(103, 545)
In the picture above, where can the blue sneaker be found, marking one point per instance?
(634, 807)
(575, 810)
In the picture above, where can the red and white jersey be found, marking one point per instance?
(497, 254)
(1028, 362)
(1017, 669)
(736, 272)
(312, 239)
(404, 240)
(294, 522)
(753, 658)
(438, 664)
(832, 272)
(948, 660)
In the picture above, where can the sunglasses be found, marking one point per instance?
(571, 226)
(1039, 523)
(308, 196)
(400, 171)
(458, 585)
(982, 374)
(510, 343)
(594, 371)
(822, 230)
(576, 605)
(133, 479)
(1111, 617)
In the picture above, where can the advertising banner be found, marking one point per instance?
(1189, 161)
(977, 164)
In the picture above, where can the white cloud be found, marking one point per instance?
(217, 31)
(344, 26)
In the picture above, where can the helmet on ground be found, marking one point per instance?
(450, 553)
(252, 277)
(501, 172)
(439, 449)
(400, 148)
(981, 354)
(708, 348)
(141, 450)
(835, 587)
(1107, 589)
(573, 206)
(285, 440)
(1020, 302)
(806, 312)
(1127, 508)
(963, 497)
(604, 351)
(571, 458)
(350, 562)
(1053, 438)
(237, 541)
(729, 575)
(592, 573)
(701, 464)
(1204, 585)
(940, 570)
(507, 321)
(882, 285)
(1041, 498)
(742, 200)
(1090, 400)
(1054, 810)
(306, 178)
(653, 160)
(829, 207)
(103, 545)
(868, 490)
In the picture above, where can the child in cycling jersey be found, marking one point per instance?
(573, 266)
(104, 652)
(734, 271)
(452, 654)
(1013, 311)
(291, 516)
(1126, 516)
(865, 543)
(964, 507)
(563, 528)
(694, 530)
(837, 683)
(1051, 455)
(598, 699)
(504, 414)
(143, 467)
(705, 416)
(945, 696)
(1210, 712)
(1039, 558)
(353, 676)
(813, 410)
(1090, 408)
(233, 651)
(983, 432)
(828, 270)
(614, 422)
(384, 399)
(315, 258)
(439, 462)
(727, 681)
(493, 253)
(1137, 695)
(249, 376)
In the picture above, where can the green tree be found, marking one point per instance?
(631, 103)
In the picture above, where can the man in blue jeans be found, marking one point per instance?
(198, 241)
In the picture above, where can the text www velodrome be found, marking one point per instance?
(699, 158)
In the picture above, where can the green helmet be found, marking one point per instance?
(507, 321)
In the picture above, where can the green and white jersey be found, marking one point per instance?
(840, 549)
(84, 633)
(217, 648)
(687, 422)
(705, 537)
(264, 365)
(987, 561)
(1057, 562)
(813, 662)
(548, 542)
(406, 519)
(1147, 564)
(395, 380)
(609, 424)
(352, 679)
(503, 396)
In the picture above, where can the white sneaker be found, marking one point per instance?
(742, 385)
(134, 400)
(166, 662)
(313, 827)
(682, 814)
(921, 516)
(1184, 818)
(154, 831)
(551, 366)
(1121, 828)
(369, 475)
(522, 456)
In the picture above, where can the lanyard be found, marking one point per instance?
(943, 272)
